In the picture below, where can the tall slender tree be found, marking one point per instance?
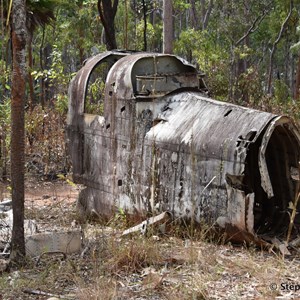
(19, 35)
(275, 44)
(168, 27)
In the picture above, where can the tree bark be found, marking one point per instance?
(168, 27)
(30, 67)
(274, 47)
(145, 24)
(42, 80)
(194, 15)
(18, 131)
(126, 26)
(107, 12)
(207, 14)
(297, 84)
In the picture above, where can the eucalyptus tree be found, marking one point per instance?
(168, 29)
(19, 35)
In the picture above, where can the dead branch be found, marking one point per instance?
(41, 293)
(254, 26)
(142, 227)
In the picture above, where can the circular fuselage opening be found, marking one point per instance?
(272, 214)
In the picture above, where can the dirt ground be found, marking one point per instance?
(173, 265)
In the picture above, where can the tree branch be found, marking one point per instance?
(207, 14)
(254, 26)
(115, 7)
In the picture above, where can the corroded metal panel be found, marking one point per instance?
(163, 145)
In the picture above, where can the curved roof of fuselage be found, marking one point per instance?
(79, 83)
(215, 129)
(121, 77)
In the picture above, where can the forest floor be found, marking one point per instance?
(169, 266)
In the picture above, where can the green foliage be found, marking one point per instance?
(181, 5)
(58, 80)
(61, 104)
(5, 130)
(295, 48)
(250, 84)
(119, 220)
(281, 92)
(202, 49)
(5, 118)
(4, 80)
(5, 112)
(95, 96)
(56, 75)
(140, 35)
(73, 35)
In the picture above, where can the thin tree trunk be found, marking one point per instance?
(18, 130)
(202, 3)
(194, 15)
(135, 25)
(30, 66)
(126, 26)
(42, 81)
(297, 85)
(2, 57)
(145, 25)
(2, 27)
(168, 27)
(274, 47)
(207, 14)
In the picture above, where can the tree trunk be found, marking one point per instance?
(107, 12)
(274, 47)
(145, 25)
(297, 84)
(42, 80)
(206, 13)
(194, 15)
(17, 130)
(30, 66)
(168, 27)
(125, 45)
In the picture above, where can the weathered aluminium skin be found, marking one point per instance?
(162, 145)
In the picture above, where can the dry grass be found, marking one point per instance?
(183, 264)
(102, 289)
(133, 255)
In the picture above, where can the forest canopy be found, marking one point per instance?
(248, 49)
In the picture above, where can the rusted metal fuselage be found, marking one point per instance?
(160, 144)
